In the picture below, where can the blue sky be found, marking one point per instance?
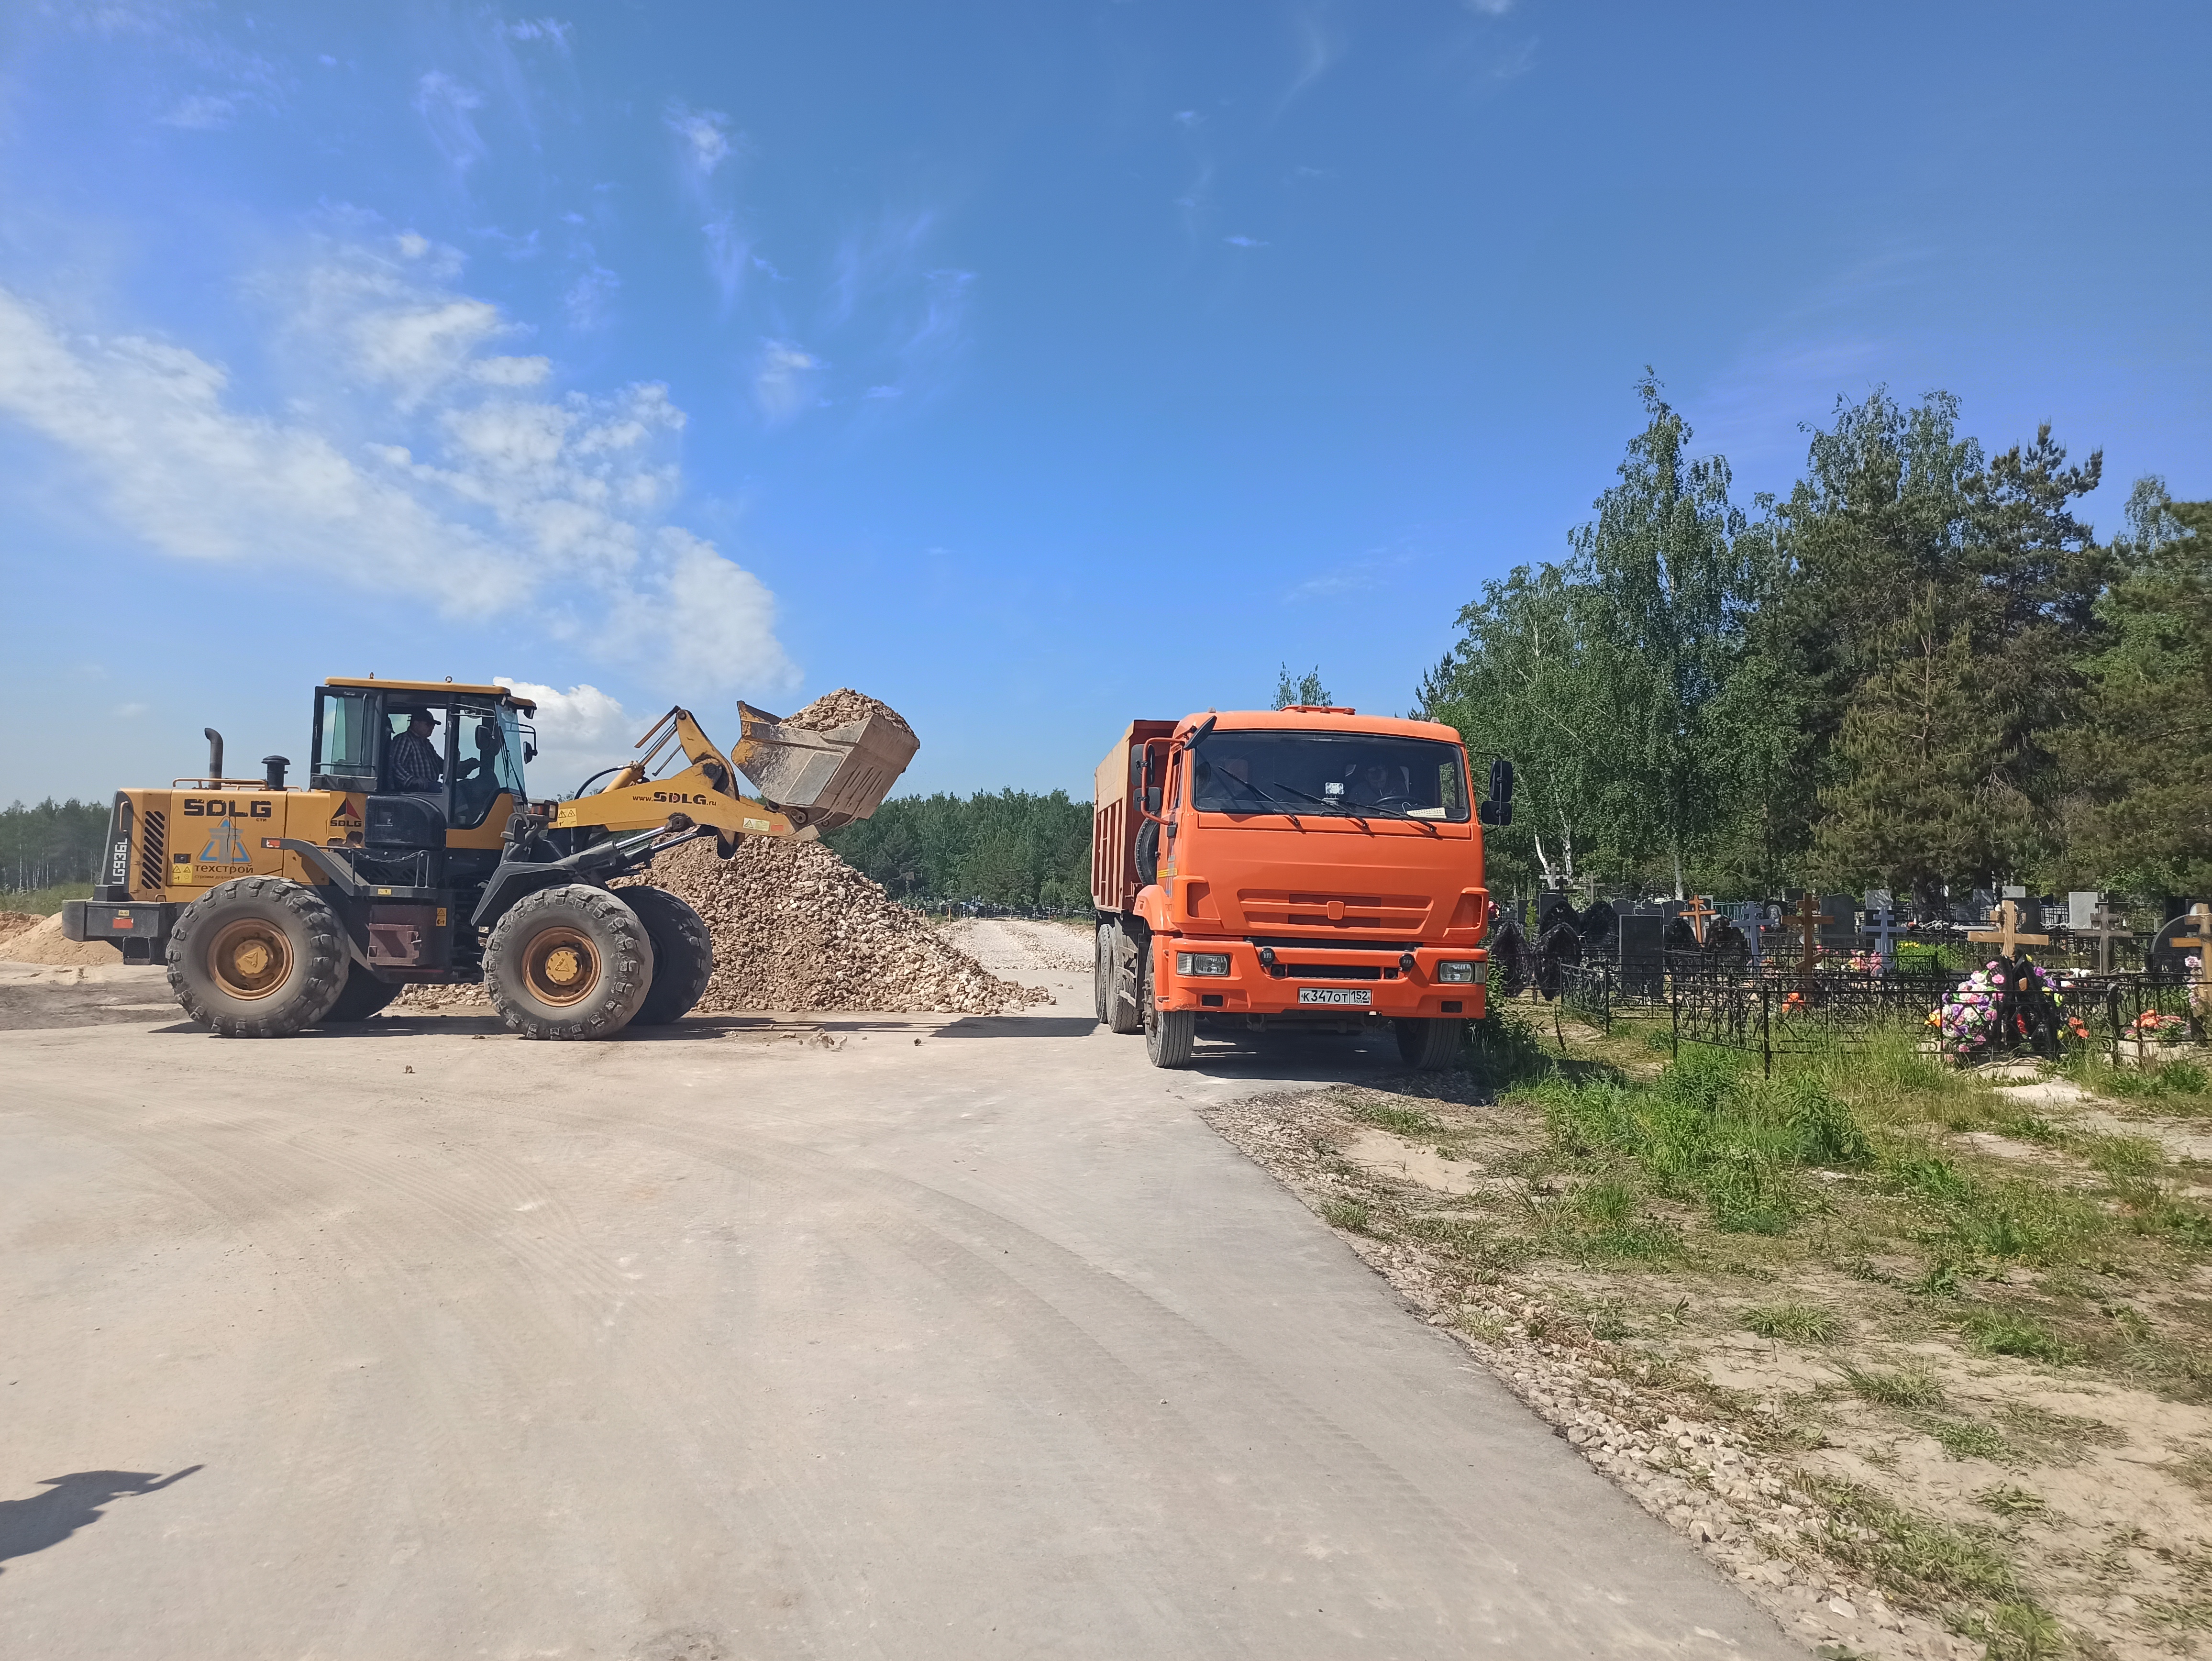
(1032, 367)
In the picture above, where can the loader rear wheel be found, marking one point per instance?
(683, 954)
(258, 957)
(572, 962)
(362, 996)
(1428, 1044)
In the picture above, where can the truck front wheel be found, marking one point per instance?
(1428, 1044)
(258, 957)
(1170, 1035)
(572, 962)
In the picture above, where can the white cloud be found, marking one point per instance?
(1243, 241)
(703, 137)
(783, 380)
(589, 298)
(422, 468)
(1489, 8)
(201, 112)
(578, 732)
(445, 106)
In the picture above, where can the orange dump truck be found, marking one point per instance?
(1308, 867)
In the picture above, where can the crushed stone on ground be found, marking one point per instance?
(42, 942)
(797, 928)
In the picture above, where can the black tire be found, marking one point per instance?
(257, 958)
(683, 954)
(1170, 1035)
(362, 996)
(594, 990)
(1125, 1011)
(1148, 852)
(1102, 972)
(1428, 1044)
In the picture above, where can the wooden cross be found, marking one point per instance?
(2201, 915)
(1807, 921)
(1700, 912)
(2007, 935)
(2104, 928)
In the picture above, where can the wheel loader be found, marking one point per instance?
(278, 908)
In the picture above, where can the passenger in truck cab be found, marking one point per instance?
(1373, 785)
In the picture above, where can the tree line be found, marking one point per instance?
(52, 843)
(1919, 668)
(1010, 849)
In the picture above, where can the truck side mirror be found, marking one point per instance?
(1498, 809)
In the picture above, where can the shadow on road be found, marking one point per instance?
(68, 1504)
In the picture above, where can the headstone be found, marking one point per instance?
(1600, 930)
(1642, 944)
(2082, 908)
(2171, 949)
(1878, 899)
(1841, 932)
(1549, 908)
(2014, 890)
(1882, 929)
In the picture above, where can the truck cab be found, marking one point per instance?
(1308, 867)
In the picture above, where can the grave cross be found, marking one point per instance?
(2007, 935)
(1807, 921)
(1881, 923)
(1700, 912)
(2104, 928)
(2201, 915)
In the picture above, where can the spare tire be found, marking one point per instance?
(683, 954)
(257, 958)
(572, 962)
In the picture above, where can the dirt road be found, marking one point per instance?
(761, 1338)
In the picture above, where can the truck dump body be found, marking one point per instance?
(1296, 866)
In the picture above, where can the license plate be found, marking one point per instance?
(1334, 995)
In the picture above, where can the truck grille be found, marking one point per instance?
(1333, 971)
(152, 851)
(1401, 914)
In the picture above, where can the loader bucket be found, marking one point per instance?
(833, 776)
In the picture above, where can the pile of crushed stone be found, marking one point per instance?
(43, 943)
(840, 708)
(795, 927)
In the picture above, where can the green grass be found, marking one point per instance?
(43, 901)
(1907, 1387)
(1799, 1323)
(1348, 1214)
(1919, 1559)
(2009, 1501)
(1398, 1121)
(2005, 1332)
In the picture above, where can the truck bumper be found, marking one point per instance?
(1299, 984)
(140, 932)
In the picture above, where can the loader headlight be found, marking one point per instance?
(1201, 962)
(1469, 972)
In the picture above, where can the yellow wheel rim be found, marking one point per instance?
(562, 966)
(250, 959)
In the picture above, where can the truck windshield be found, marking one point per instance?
(1352, 773)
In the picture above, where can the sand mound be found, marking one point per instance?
(42, 942)
(15, 922)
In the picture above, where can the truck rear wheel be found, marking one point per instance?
(1102, 971)
(1428, 1044)
(362, 996)
(1124, 1010)
(257, 958)
(683, 954)
(572, 962)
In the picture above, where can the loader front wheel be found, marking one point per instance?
(572, 962)
(362, 996)
(683, 954)
(258, 957)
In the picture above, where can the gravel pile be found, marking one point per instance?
(841, 706)
(796, 927)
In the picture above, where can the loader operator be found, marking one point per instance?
(417, 767)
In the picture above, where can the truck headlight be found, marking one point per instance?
(1201, 962)
(1460, 971)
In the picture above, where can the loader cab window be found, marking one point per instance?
(487, 760)
(348, 732)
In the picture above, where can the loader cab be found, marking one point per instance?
(483, 741)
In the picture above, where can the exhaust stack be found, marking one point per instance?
(215, 755)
